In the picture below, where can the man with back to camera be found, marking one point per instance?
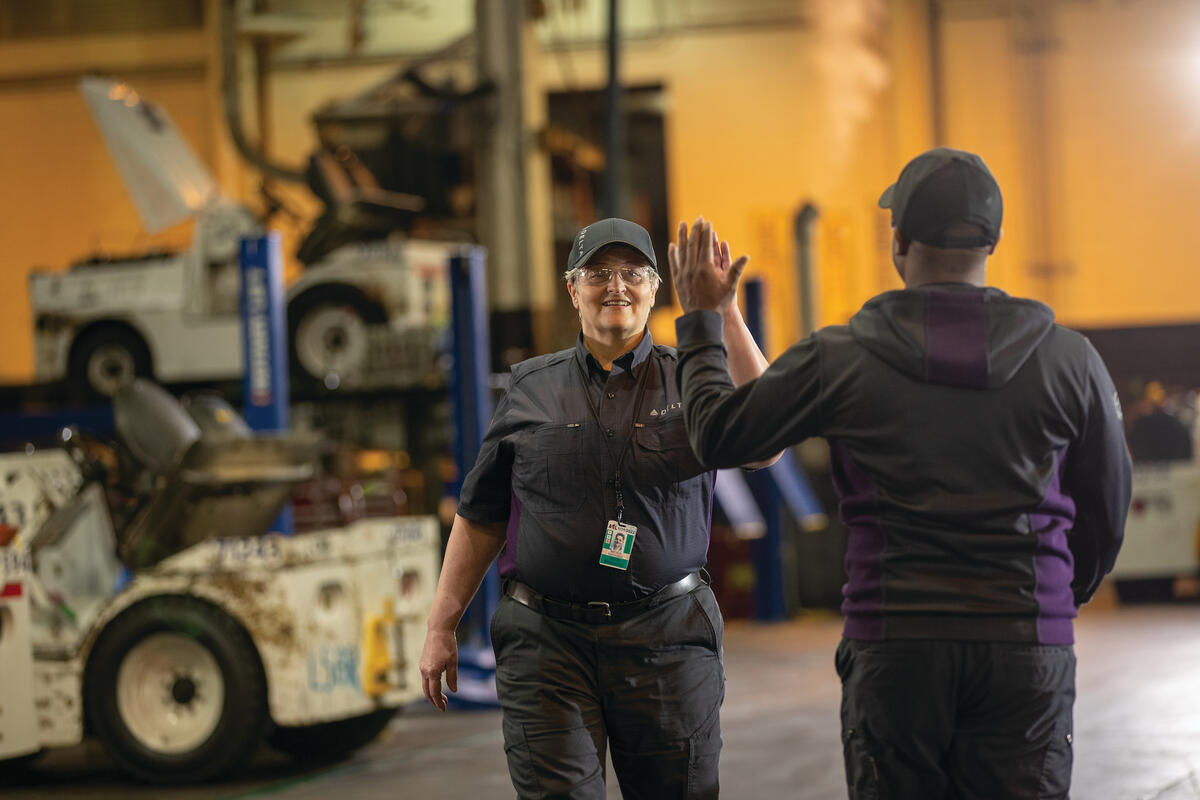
(981, 466)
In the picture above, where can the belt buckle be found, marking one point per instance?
(600, 605)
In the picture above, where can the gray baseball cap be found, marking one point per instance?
(609, 231)
(941, 187)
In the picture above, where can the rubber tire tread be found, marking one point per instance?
(335, 295)
(330, 741)
(82, 349)
(244, 718)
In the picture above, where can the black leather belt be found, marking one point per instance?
(597, 613)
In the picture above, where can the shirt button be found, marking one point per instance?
(611, 395)
(610, 433)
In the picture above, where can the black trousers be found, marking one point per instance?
(933, 720)
(651, 687)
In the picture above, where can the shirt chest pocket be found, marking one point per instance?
(665, 455)
(550, 469)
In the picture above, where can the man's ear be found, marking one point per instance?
(900, 244)
(992, 249)
(574, 297)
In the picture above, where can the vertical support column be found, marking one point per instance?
(769, 602)
(471, 409)
(802, 233)
(1037, 44)
(264, 342)
(503, 33)
(614, 123)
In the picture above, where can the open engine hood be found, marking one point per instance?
(167, 180)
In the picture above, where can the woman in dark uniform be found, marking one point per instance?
(587, 490)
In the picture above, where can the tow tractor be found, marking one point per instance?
(1160, 557)
(143, 602)
(366, 314)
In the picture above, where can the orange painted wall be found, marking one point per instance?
(758, 121)
(63, 199)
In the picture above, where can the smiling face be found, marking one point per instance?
(615, 311)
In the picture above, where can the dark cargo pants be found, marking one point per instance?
(651, 686)
(942, 720)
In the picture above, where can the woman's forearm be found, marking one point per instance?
(469, 552)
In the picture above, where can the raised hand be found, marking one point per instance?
(704, 274)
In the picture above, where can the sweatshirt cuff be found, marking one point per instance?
(699, 328)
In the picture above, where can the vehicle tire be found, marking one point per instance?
(327, 332)
(330, 741)
(105, 359)
(19, 770)
(175, 691)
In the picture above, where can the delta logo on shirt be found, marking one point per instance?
(662, 412)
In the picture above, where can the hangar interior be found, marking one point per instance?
(408, 177)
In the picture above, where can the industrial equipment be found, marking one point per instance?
(143, 600)
(367, 314)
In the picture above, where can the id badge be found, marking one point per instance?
(618, 545)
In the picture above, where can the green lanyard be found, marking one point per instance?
(637, 404)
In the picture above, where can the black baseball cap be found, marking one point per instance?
(609, 231)
(939, 188)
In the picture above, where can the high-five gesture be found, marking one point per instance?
(705, 276)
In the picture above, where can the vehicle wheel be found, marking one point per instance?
(328, 335)
(175, 691)
(106, 359)
(330, 741)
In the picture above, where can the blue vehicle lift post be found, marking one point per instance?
(265, 388)
(778, 488)
(471, 410)
(769, 602)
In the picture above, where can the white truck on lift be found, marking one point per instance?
(170, 627)
(365, 310)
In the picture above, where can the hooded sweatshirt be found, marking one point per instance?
(977, 452)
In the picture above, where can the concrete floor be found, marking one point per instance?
(1137, 728)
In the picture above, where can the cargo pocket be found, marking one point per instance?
(520, 762)
(549, 469)
(704, 756)
(544, 762)
(1055, 780)
(862, 767)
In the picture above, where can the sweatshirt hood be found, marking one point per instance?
(953, 334)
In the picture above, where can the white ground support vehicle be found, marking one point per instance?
(367, 314)
(218, 636)
(1162, 532)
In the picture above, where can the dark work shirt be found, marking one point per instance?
(547, 466)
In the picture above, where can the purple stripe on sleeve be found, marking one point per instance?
(507, 563)
(1053, 564)
(862, 602)
(956, 330)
